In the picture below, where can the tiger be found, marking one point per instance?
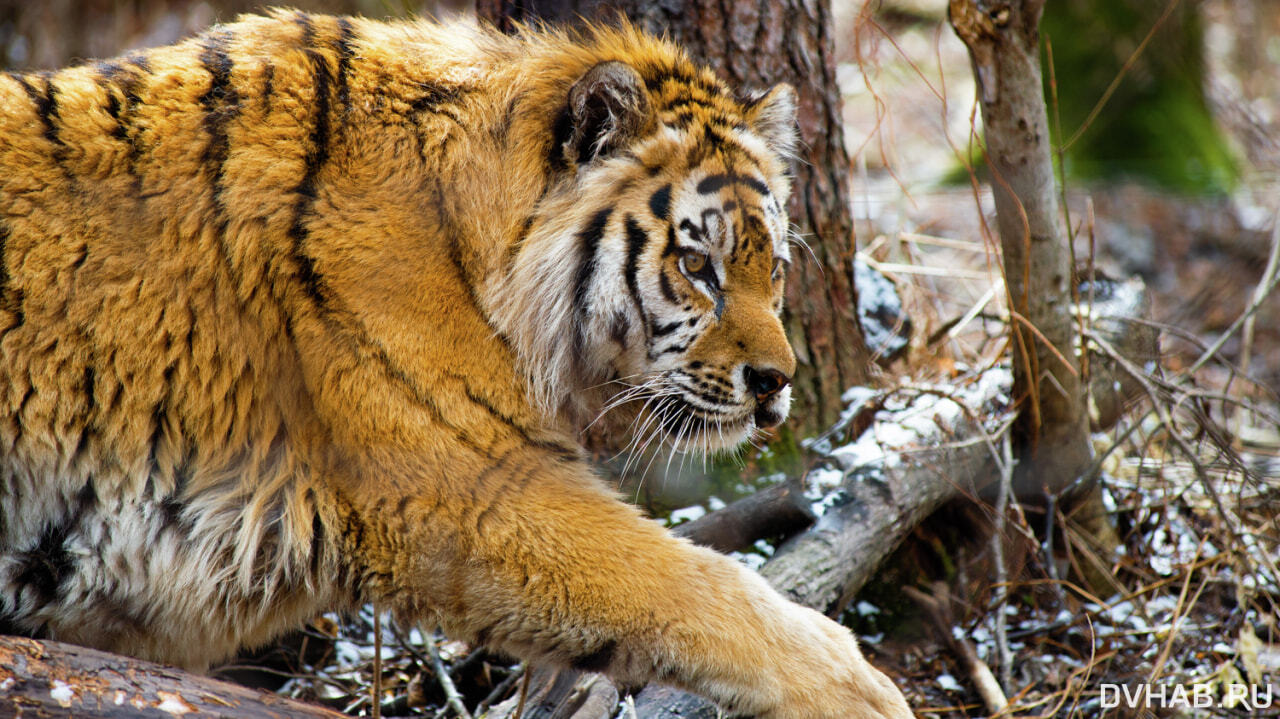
(307, 312)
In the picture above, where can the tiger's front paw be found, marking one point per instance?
(830, 679)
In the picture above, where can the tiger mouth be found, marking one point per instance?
(690, 427)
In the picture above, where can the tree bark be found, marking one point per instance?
(758, 44)
(778, 511)
(50, 679)
(1051, 432)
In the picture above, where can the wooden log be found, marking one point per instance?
(779, 510)
(50, 679)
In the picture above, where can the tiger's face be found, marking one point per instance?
(701, 348)
(646, 295)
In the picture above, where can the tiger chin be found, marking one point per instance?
(307, 312)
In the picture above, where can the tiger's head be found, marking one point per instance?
(650, 281)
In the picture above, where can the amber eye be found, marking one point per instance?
(694, 262)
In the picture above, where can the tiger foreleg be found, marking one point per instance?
(563, 572)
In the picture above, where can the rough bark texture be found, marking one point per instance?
(1052, 427)
(757, 44)
(50, 679)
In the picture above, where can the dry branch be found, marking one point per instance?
(51, 679)
(780, 510)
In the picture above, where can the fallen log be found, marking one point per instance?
(780, 510)
(50, 679)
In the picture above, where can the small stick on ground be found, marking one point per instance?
(938, 609)
(451, 694)
(1002, 573)
(376, 687)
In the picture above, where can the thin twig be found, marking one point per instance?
(500, 690)
(451, 694)
(524, 694)
(1002, 573)
(376, 687)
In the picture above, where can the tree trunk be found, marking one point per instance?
(1052, 427)
(758, 44)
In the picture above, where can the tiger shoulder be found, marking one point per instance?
(307, 312)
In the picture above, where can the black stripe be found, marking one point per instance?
(703, 391)
(636, 241)
(139, 59)
(159, 414)
(669, 349)
(428, 401)
(488, 406)
(434, 96)
(268, 84)
(502, 127)
(695, 233)
(317, 155)
(660, 202)
(714, 183)
(317, 541)
(684, 76)
(108, 72)
(619, 328)
(346, 37)
(12, 302)
(115, 74)
(46, 104)
(588, 243)
(668, 292)
(663, 330)
(221, 104)
(48, 564)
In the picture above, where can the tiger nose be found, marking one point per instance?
(765, 383)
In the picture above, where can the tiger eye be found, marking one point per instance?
(694, 262)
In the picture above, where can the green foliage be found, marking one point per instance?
(1156, 125)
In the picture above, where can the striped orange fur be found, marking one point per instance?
(306, 312)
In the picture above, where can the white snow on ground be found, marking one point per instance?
(909, 417)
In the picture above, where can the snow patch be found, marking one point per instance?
(171, 703)
(62, 693)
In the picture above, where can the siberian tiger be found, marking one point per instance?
(309, 311)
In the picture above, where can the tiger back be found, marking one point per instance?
(306, 312)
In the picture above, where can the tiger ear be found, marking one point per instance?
(608, 107)
(773, 116)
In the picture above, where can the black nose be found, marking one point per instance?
(765, 383)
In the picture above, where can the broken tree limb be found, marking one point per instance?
(877, 504)
(49, 679)
(776, 511)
